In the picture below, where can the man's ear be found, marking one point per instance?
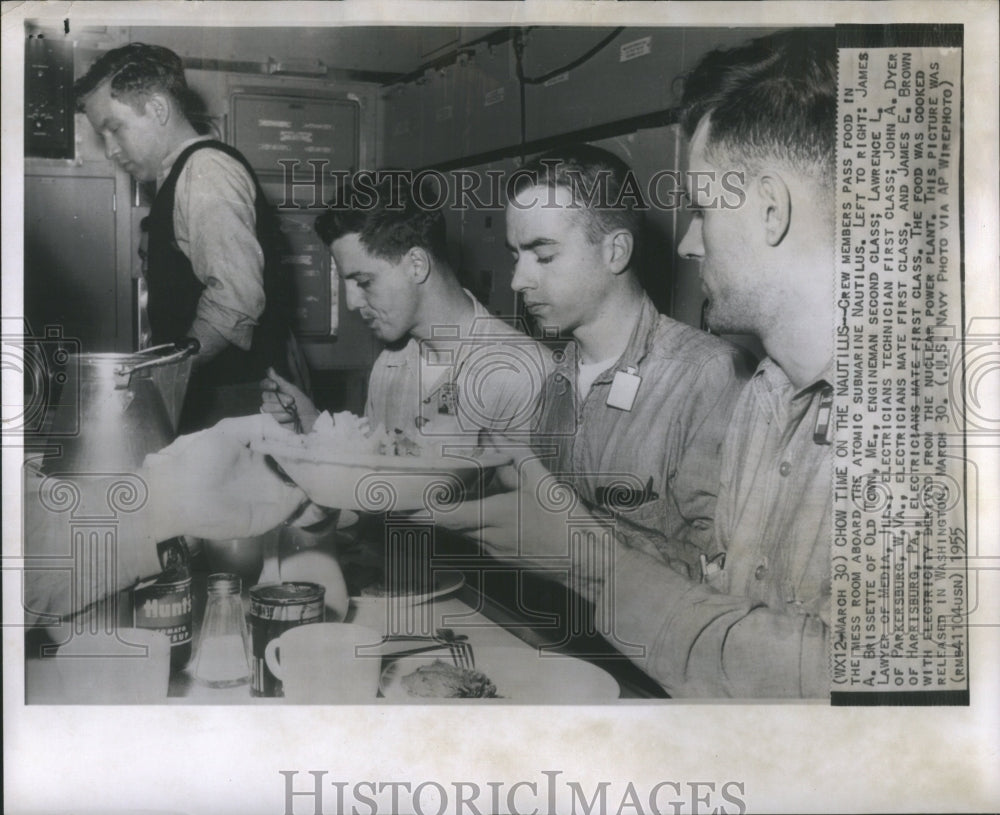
(419, 262)
(775, 207)
(618, 246)
(158, 107)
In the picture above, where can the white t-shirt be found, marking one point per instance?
(586, 373)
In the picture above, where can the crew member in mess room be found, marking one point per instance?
(449, 368)
(755, 621)
(639, 404)
(213, 258)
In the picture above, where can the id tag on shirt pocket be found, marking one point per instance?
(624, 387)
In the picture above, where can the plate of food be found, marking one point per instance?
(345, 463)
(520, 675)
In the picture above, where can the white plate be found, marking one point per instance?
(444, 583)
(373, 483)
(520, 674)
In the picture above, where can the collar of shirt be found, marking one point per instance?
(409, 354)
(774, 389)
(168, 162)
(633, 355)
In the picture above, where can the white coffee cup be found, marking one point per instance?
(125, 666)
(326, 663)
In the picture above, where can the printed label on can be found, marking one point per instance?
(165, 608)
(274, 609)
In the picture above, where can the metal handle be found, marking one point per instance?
(189, 346)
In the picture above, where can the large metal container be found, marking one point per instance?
(114, 409)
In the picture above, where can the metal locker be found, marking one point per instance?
(444, 118)
(495, 107)
(563, 102)
(486, 261)
(402, 143)
(71, 278)
(631, 75)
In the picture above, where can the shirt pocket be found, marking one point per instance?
(650, 513)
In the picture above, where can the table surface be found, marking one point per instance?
(490, 611)
(446, 612)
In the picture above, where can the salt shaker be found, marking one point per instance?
(223, 659)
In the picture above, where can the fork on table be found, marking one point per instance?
(457, 644)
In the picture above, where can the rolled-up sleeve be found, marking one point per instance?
(215, 226)
(697, 642)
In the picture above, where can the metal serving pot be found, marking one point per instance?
(114, 409)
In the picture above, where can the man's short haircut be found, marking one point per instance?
(603, 187)
(135, 71)
(774, 97)
(381, 209)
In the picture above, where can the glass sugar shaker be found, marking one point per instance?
(223, 658)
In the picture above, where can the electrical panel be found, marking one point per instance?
(48, 98)
(319, 135)
(307, 261)
(269, 128)
(341, 339)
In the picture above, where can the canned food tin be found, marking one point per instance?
(165, 606)
(274, 608)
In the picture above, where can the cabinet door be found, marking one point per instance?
(70, 272)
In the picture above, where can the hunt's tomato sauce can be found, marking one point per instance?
(165, 606)
(274, 608)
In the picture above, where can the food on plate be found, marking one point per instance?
(441, 680)
(344, 433)
(354, 434)
(345, 463)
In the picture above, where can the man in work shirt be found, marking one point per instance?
(449, 368)
(640, 403)
(213, 257)
(756, 623)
